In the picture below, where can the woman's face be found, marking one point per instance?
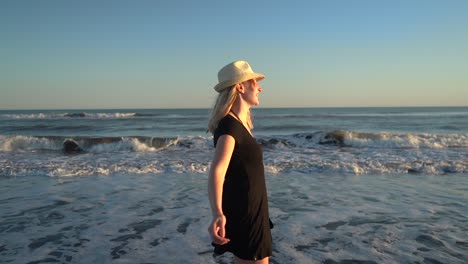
(251, 90)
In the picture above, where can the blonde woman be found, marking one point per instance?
(236, 184)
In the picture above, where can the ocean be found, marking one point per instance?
(345, 185)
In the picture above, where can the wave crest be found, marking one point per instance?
(332, 139)
(109, 115)
(383, 140)
(96, 145)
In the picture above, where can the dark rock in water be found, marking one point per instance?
(76, 115)
(70, 146)
(334, 138)
(413, 171)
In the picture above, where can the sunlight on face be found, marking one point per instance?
(252, 89)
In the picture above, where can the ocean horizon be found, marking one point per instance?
(209, 108)
(345, 185)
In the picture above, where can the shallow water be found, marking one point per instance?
(163, 219)
(346, 185)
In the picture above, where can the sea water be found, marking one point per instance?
(345, 185)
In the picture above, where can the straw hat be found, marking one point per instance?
(236, 72)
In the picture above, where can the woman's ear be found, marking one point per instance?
(240, 88)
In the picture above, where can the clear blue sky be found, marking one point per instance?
(166, 54)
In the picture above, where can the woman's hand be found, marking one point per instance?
(217, 230)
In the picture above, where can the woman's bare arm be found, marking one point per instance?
(219, 165)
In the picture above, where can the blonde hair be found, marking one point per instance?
(222, 106)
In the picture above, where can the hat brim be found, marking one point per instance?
(238, 79)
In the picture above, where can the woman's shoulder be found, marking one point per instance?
(227, 125)
(227, 120)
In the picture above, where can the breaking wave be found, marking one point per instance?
(72, 115)
(342, 152)
(340, 138)
(353, 139)
(87, 144)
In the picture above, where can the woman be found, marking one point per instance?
(236, 184)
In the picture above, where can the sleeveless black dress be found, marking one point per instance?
(245, 202)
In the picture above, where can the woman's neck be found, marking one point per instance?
(240, 112)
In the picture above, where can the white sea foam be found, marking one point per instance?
(30, 116)
(123, 145)
(110, 115)
(389, 140)
(68, 115)
(361, 154)
(95, 145)
(298, 143)
(383, 140)
(27, 143)
(318, 219)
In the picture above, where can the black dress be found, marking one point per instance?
(245, 202)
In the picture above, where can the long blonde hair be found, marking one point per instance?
(223, 105)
